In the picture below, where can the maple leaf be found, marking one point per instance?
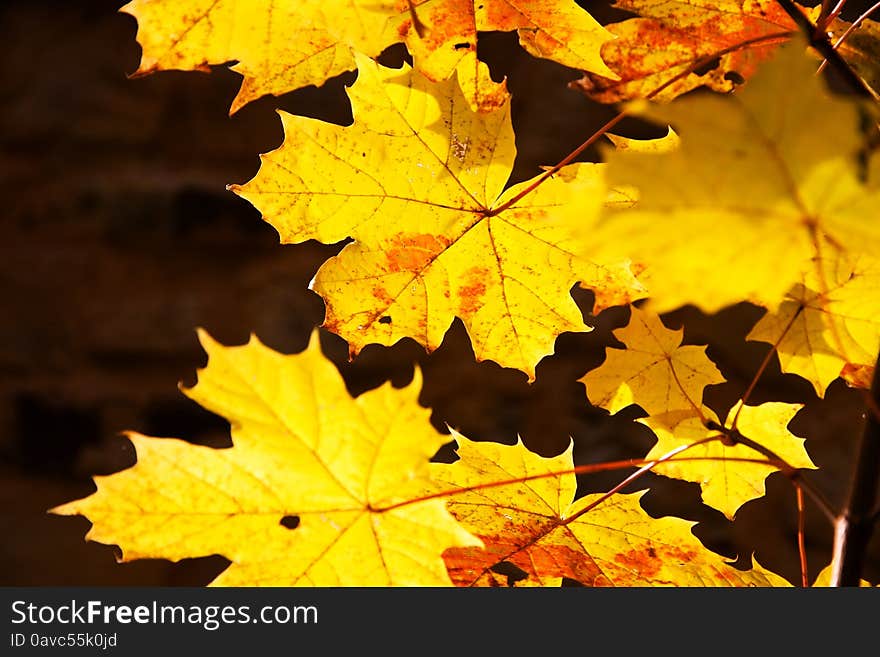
(667, 380)
(440, 33)
(758, 181)
(553, 29)
(280, 46)
(441, 36)
(534, 523)
(302, 447)
(727, 482)
(829, 324)
(417, 181)
(669, 38)
(277, 45)
(665, 144)
(482, 93)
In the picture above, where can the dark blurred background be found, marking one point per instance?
(120, 239)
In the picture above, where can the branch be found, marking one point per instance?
(735, 437)
(819, 40)
(852, 28)
(830, 10)
(855, 524)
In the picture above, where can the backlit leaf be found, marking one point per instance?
(758, 181)
(538, 526)
(654, 371)
(822, 335)
(727, 483)
(664, 144)
(302, 448)
(274, 48)
(668, 39)
(417, 182)
(279, 46)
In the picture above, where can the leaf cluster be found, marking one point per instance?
(765, 191)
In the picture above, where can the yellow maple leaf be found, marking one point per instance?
(482, 93)
(277, 45)
(726, 481)
(829, 324)
(534, 523)
(553, 29)
(668, 38)
(439, 34)
(418, 181)
(665, 144)
(654, 371)
(759, 179)
(303, 448)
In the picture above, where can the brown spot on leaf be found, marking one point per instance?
(538, 560)
(678, 555)
(472, 291)
(413, 251)
(403, 28)
(381, 295)
(643, 563)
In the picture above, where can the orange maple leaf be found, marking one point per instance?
(534, 523)
(669, 38)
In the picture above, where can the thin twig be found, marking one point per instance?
(819, 41)
(855, 524)
(850, 30)
(763, 366)
(625, 112)
(794, 474)
(801, 534)
(732, 436)
(735, 437)
(589, 468)
(641, 471)
(828, 13)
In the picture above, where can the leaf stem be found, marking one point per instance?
(566, 160)
(589, 468)
(763, 366)
(697, 409)
(641, 471)
(625, 112)
(843, 37)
